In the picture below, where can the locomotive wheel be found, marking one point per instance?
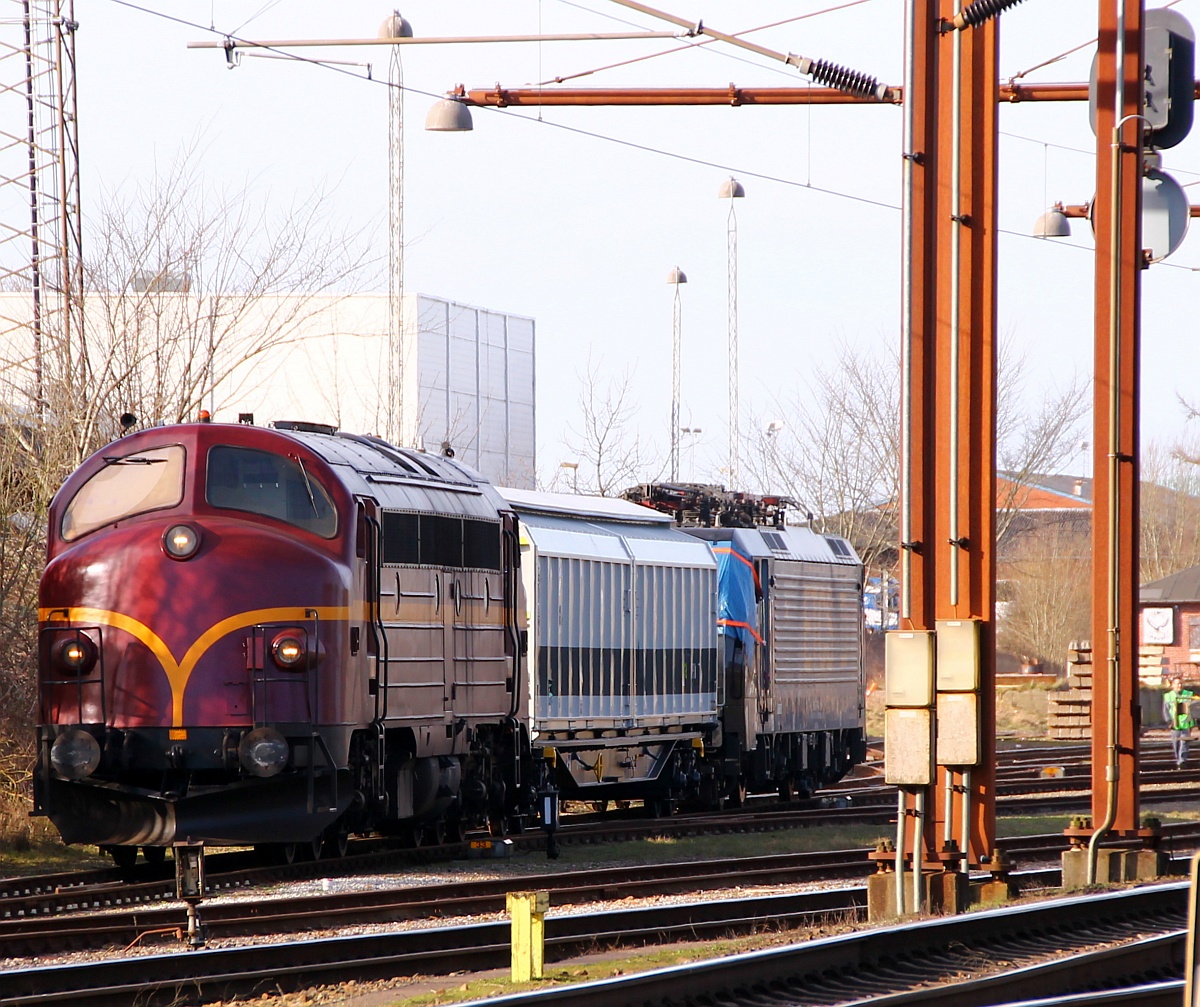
(337, 844)
(286, 852)
(456, 832)
(497, 824)
(410, 838)
(154, 854)
(600, 807)
(660, 807)
(434, 834)
(787, 789)
(737, 793)
(123, 856)
(312, 849)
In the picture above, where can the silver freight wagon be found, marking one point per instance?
(623, 651)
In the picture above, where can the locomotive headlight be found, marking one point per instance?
(289, 651)
(263, 752)
(181, 541)
(76, 655)
(75, 754)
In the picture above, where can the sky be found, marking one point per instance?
(561, 217)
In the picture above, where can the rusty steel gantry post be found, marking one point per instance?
(950, 371)
(948, 507)
(1115, 512)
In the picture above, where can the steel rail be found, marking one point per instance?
(895, 957)
(222, 973)
(777, 976)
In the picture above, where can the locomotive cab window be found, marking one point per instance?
(127, 485)
(273, 485)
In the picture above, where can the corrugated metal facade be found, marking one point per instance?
(468, 378)
(623, 624)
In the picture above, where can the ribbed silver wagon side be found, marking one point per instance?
(623, 640)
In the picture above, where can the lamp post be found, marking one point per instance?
(732, 189)
(394, 26)
(675, 278)
(692, 433)
(574, 467)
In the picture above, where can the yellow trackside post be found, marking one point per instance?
(527, 911)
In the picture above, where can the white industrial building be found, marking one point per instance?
(461, 379)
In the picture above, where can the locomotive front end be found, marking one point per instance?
(193, 616)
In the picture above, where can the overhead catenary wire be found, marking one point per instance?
(633, 145)
(832, 74)
(697, 43)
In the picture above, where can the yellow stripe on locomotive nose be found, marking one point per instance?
(178, 672)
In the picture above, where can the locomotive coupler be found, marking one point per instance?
(189, 887)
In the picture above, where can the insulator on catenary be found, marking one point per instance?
(974, 14)
(860, 85)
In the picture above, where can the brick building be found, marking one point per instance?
(1169, 627)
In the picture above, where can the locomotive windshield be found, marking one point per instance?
(269, 484)
(127, 485)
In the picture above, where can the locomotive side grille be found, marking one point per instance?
(815, 633)
(438, 540)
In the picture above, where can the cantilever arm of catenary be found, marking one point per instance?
(851, 81)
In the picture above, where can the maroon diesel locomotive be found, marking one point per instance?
(282, 636)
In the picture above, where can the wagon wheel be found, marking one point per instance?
(787, 789)
(312, 849)
(660, 807)
(497, 824)
(154, 854)
(123, 856)
(286, 853)
(434, 834)
(337, 843)
(737, 792)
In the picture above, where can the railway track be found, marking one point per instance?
(50, 895)
(1112, 938)
(57, 934)
(889, 961)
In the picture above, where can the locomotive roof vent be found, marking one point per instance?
(303, 427)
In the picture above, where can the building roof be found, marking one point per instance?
(1179, 587)
(1046, 492)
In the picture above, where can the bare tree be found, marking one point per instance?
(1170, 509)
(608, 450)
(836, 450)
(1048, 592)
(1033, 442)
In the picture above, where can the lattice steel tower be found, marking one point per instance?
(40, 223)
(395, 27)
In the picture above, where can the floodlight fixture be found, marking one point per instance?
(450, 115)
(1052, 224)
